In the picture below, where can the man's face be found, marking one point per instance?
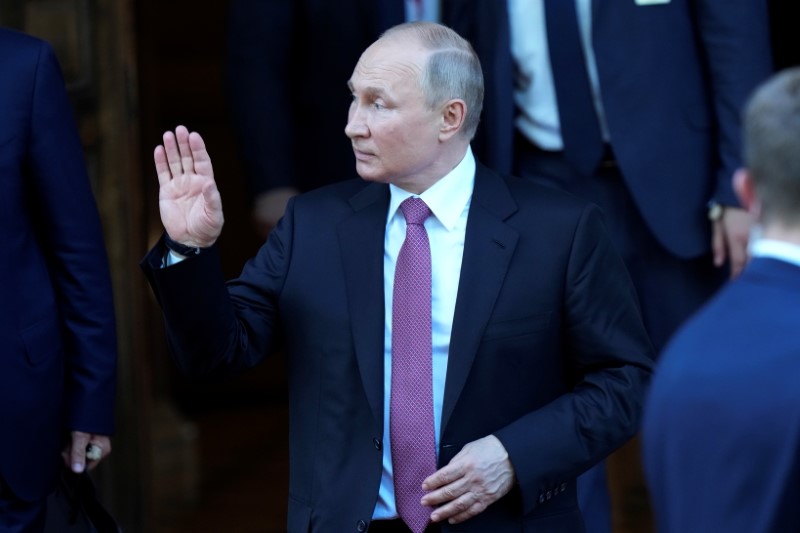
(395, 136)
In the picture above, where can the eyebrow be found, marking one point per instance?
(369, 91)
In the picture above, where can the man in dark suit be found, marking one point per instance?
(724, 410)
(286, 62)
(57, 332)
(526, 326)
(633, 105)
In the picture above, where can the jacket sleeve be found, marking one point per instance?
(608, 357)
(70, 228)
(735, 39)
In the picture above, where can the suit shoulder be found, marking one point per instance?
(540, 200)
(339, 199)
(15, 44)
(334, 192)
(22, 58)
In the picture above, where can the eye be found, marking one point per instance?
(378, 105)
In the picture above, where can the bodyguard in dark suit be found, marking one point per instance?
(57, 333)
(724, 410)
(535, 351)
(633, 105)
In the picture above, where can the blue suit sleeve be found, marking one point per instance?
(76, 251)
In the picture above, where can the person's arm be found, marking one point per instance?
(735, 39)
(213, 329)
(76, 254)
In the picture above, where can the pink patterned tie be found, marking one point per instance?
(411, 406)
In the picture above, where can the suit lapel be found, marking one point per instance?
(488, 248)
(361, 239)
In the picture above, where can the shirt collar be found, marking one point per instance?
(775, 249)
(446, 198)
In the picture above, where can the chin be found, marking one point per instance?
(368, 174)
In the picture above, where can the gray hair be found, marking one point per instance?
(772, 146)
(453, 69)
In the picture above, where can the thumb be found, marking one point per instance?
(77, 452)
(212, 198)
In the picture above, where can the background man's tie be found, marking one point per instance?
(580, 127)
(411, 406)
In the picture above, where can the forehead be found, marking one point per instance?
(390, 62)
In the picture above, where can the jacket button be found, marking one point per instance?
(563, 487)
(541, 498)
(377, 442)
(361, 526)
(549, 494)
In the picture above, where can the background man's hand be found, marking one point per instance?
(75, 453)
(729, 239)
(190, 204)
(269, 208)
(479, 475)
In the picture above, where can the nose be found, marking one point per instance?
(356, 126)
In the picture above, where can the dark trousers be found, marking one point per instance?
(17, 516)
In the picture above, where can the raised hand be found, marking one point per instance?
(188, 199)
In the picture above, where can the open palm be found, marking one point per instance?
(188, 199)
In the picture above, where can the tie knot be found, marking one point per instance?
(415, 210)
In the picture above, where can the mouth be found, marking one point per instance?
(362, 155)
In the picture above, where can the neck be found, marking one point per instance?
(443, 166)
(781, 232)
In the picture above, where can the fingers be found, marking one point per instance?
(200, 158)
(77, 451)
(173, 155)
(99, 448)
(185, 152)
(462, 508)
(738, 258)
(85, 450)
(177, 155)
(162, 168)
(718, 243)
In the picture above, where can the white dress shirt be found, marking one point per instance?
(449, 200)
(782, 250)
(534, 89)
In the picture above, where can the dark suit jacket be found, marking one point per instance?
(288, 63)
(722, 423)
(547, 352)
(57, 334)
(673, 79)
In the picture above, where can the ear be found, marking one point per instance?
(453, 114)
(745, 191)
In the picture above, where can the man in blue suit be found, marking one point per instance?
(535, 351)
(57, 331)
(722, 425)
(633, 105)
